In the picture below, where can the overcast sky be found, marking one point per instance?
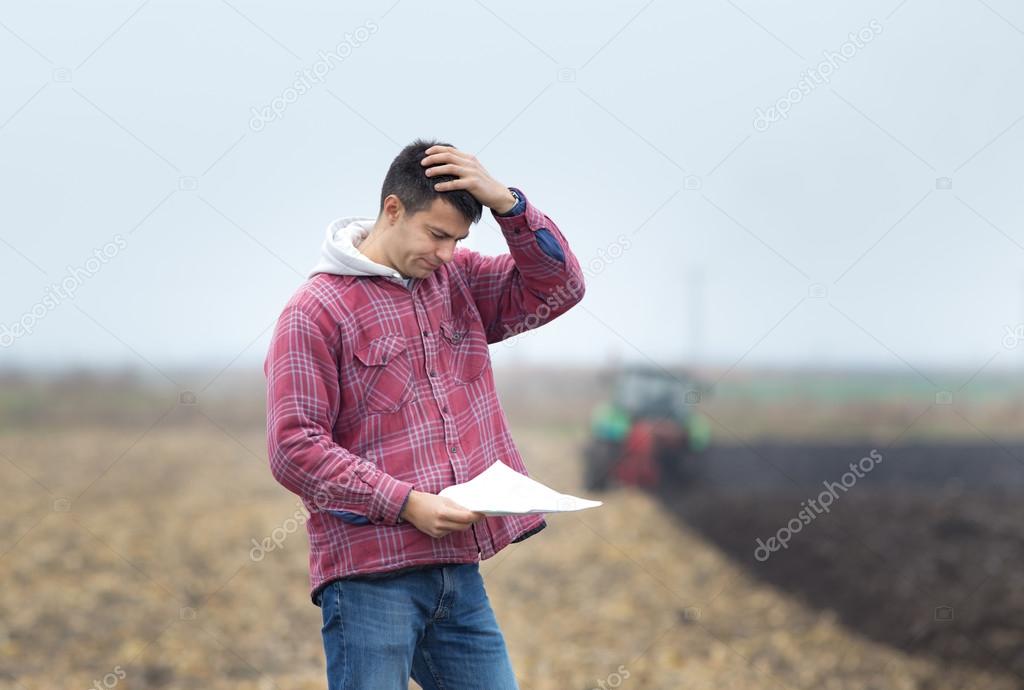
(743, 181)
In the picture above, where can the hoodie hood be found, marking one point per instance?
(339, 253)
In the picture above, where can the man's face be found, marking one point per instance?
(427, 239)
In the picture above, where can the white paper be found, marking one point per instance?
(500, 490)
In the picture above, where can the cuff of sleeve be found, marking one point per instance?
(519, 207)
(530, 219)
(388, 500)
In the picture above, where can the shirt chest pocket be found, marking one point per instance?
(384, 370)
(464, 347)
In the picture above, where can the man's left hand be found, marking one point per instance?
(448, 160)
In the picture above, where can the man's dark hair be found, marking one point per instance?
(407, 179)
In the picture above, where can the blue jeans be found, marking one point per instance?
(434, 625)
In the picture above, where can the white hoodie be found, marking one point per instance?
(339, 254)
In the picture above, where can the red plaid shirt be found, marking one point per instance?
(374, 389)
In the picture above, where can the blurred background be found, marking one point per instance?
(794, 379)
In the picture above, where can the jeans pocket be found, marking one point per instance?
(329, 602)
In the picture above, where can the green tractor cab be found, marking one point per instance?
(644, 434)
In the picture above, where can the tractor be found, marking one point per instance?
(646, 433)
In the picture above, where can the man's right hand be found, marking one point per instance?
(437, 515)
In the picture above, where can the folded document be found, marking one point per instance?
(500, 490)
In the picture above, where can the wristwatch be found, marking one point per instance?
(516, 206)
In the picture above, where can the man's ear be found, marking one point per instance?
(393, 209)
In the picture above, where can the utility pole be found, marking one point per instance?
(697, 298)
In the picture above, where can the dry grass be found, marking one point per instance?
(126, 550)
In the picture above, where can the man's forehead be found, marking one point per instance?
(445, 219)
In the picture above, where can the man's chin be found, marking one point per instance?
(424, 269)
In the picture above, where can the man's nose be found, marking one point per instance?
(444, 254)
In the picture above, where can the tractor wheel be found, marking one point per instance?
(599, 459)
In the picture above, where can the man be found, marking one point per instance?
(380, 394)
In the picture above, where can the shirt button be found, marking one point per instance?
(444, 408)
(453, 449)
(432, 372)
(426, 333)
